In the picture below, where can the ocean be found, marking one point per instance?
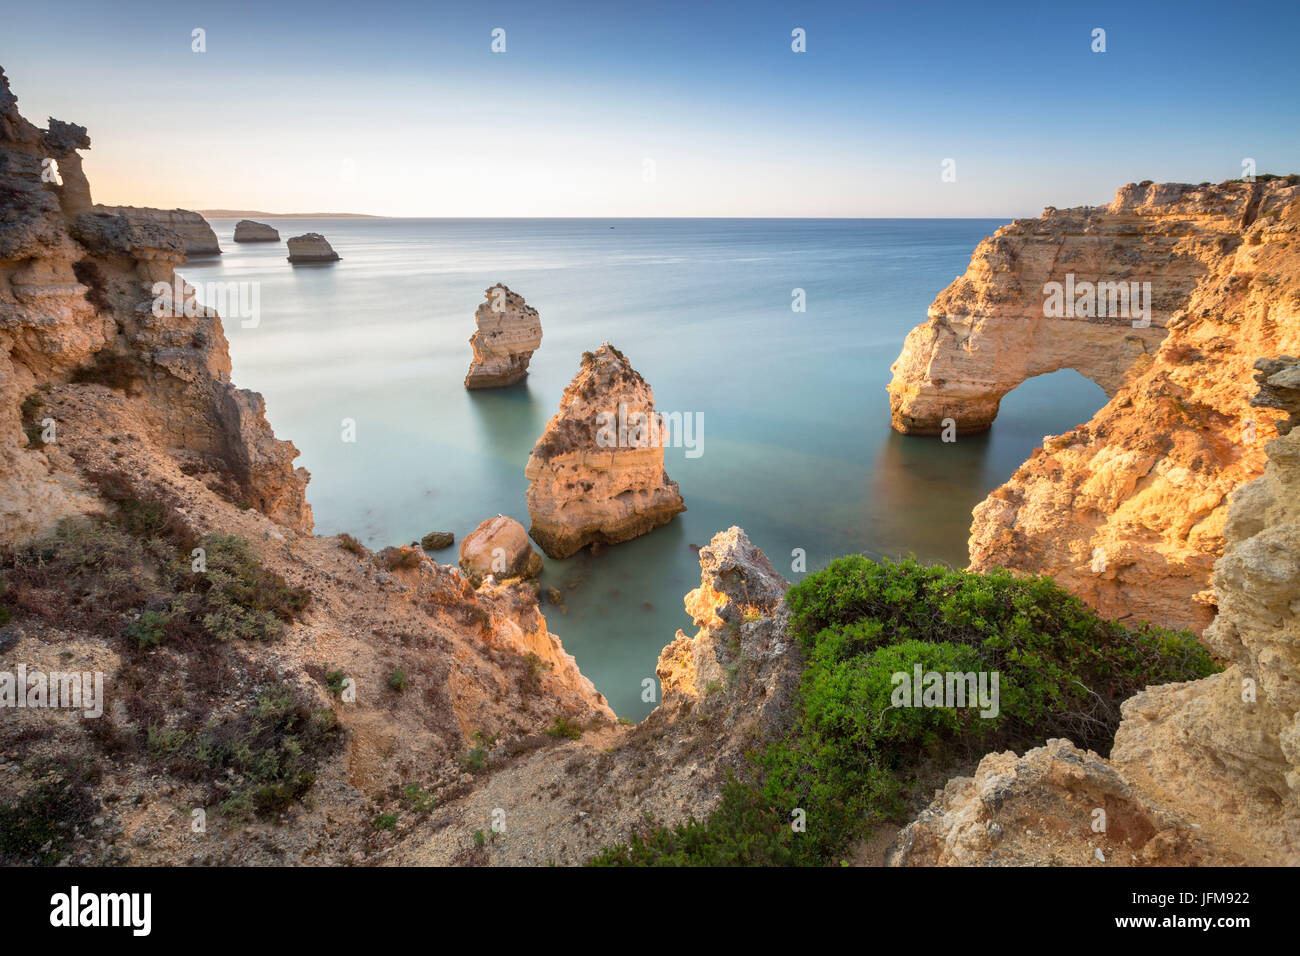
(796, 445)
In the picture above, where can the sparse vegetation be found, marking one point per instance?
(351, 544)
(563, 727)
(397, 680)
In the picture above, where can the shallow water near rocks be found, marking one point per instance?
(796, 445)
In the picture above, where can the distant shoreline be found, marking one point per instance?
(256, 214)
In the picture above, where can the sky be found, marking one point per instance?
(624, 109)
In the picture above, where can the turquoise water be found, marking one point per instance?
(797, 447)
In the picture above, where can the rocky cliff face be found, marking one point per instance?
(509, 332)
(1206, 771)
(596, 476)
(196, 235)
(1127, 510)
(78, 305)
(387, 672)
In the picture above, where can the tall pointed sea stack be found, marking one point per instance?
(509, 331)
(597, 473)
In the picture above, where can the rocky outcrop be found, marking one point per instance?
(197, 236)
(1203, 771)
(726, 691)
(1127, 510)
(509, 332)
(596, 476)
(80, 303)
(246, 230)
(1055, 806)
(1237, 734)
(311, 247)
(740, 611)
(499, 547)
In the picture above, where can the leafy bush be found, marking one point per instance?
(563, 727)
(853, 759)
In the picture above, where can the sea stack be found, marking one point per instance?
(311, 247)
(246, 230)
(197, 235)
(596, 476)
(509, 331)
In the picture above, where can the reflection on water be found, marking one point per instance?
(797, 447)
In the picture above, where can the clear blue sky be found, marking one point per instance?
(403, 109)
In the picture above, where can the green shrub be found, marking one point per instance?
(852, 759)
(150, 629)
(474, 759)
(563, 727)
(385, 821)
(397, 680)
(334, 680)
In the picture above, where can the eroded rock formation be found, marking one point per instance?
(246, 230)
(195, 233)
(1202, 771)
(1127, 510)
(77, 305)
(509, 332)
(311, 247)
(597, 473)
(988, 331)
(1041, 810)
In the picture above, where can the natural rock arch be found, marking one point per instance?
(988, 332)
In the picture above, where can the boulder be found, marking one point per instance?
(437, 540)
(499, 547)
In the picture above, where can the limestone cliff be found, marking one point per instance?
(1127, 510)
(509, 332)
(289, 667)
(1206, 771)
(78, 304)
(596, 476)
(195, 233)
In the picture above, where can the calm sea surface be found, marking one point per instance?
(797, 447)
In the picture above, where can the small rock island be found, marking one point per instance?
(246, 230)
(311, 247)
